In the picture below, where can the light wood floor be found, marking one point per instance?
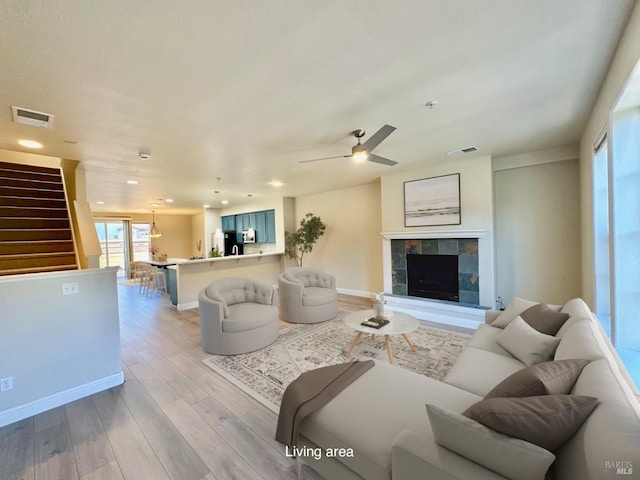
(173, 418)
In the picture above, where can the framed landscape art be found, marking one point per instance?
(432, 201)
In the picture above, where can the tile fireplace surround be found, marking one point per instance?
(466, 249)
(475, 273)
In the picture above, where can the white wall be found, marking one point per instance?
(625, 59)
(58, 348)
(351, 248)
(476, 194)
(538, 227)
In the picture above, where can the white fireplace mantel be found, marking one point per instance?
(410, 235)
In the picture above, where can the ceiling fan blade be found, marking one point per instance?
(378, 137)
(382, 160)
(325, 158)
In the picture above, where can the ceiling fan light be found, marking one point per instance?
(360, 156)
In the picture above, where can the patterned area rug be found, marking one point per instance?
(265, 374)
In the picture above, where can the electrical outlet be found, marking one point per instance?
(69, 288)
(6, 384)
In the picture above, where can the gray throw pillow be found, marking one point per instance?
(548, 421)
(526, 343)
(548, 378)
(514, 309)
(508, 456)
(543, 319)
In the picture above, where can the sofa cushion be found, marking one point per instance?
(484, 338)
(543, 319)
(578, 311)
(382, 402)
(577, 308)
(548, 378)
(547, 420)
(478, 371)
(579, 342)
(508, 456)
(527, 344)
(314, 296)
(515, 308)
(249, 316)
(612, 432)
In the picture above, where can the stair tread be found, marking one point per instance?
(17, 271)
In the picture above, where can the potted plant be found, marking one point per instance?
(301, 241)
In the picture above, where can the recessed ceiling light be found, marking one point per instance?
(225, 202)
(133, 182)
(30, 143)
(169, 200)
(206, 205)
(155, 204)
(276, 183)
(100, 202)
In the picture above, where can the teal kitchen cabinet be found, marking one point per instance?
(270, 217)
(229, 222)
(261, 227)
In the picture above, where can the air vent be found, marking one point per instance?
(462, 151)
(31, 117)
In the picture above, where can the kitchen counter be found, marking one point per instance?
(191, 276)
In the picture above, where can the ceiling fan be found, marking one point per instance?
(362, 151)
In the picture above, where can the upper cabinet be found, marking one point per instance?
(271, 226)
(228, 222)
(262, 222)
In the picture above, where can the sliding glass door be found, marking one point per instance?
(140, 241)
(625, 216)
(114, 240)
(602, 243)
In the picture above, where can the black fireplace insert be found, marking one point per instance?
(433, 276)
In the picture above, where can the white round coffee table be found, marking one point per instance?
(399, 324)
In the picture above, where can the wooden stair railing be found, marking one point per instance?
(35, 228)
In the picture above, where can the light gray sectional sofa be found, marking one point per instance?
(382, 417)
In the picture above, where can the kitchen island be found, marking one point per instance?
(187, 278)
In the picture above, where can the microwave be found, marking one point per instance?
(249, 236)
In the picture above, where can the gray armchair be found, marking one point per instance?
(237, 315)
(307, 295)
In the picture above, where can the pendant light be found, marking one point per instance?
(154, 233)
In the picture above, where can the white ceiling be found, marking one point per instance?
(243, 90)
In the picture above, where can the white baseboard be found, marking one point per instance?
(187, 306)
(52, 401)
(356, 293)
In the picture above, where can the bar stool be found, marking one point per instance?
(158, 280)
(146, 273)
